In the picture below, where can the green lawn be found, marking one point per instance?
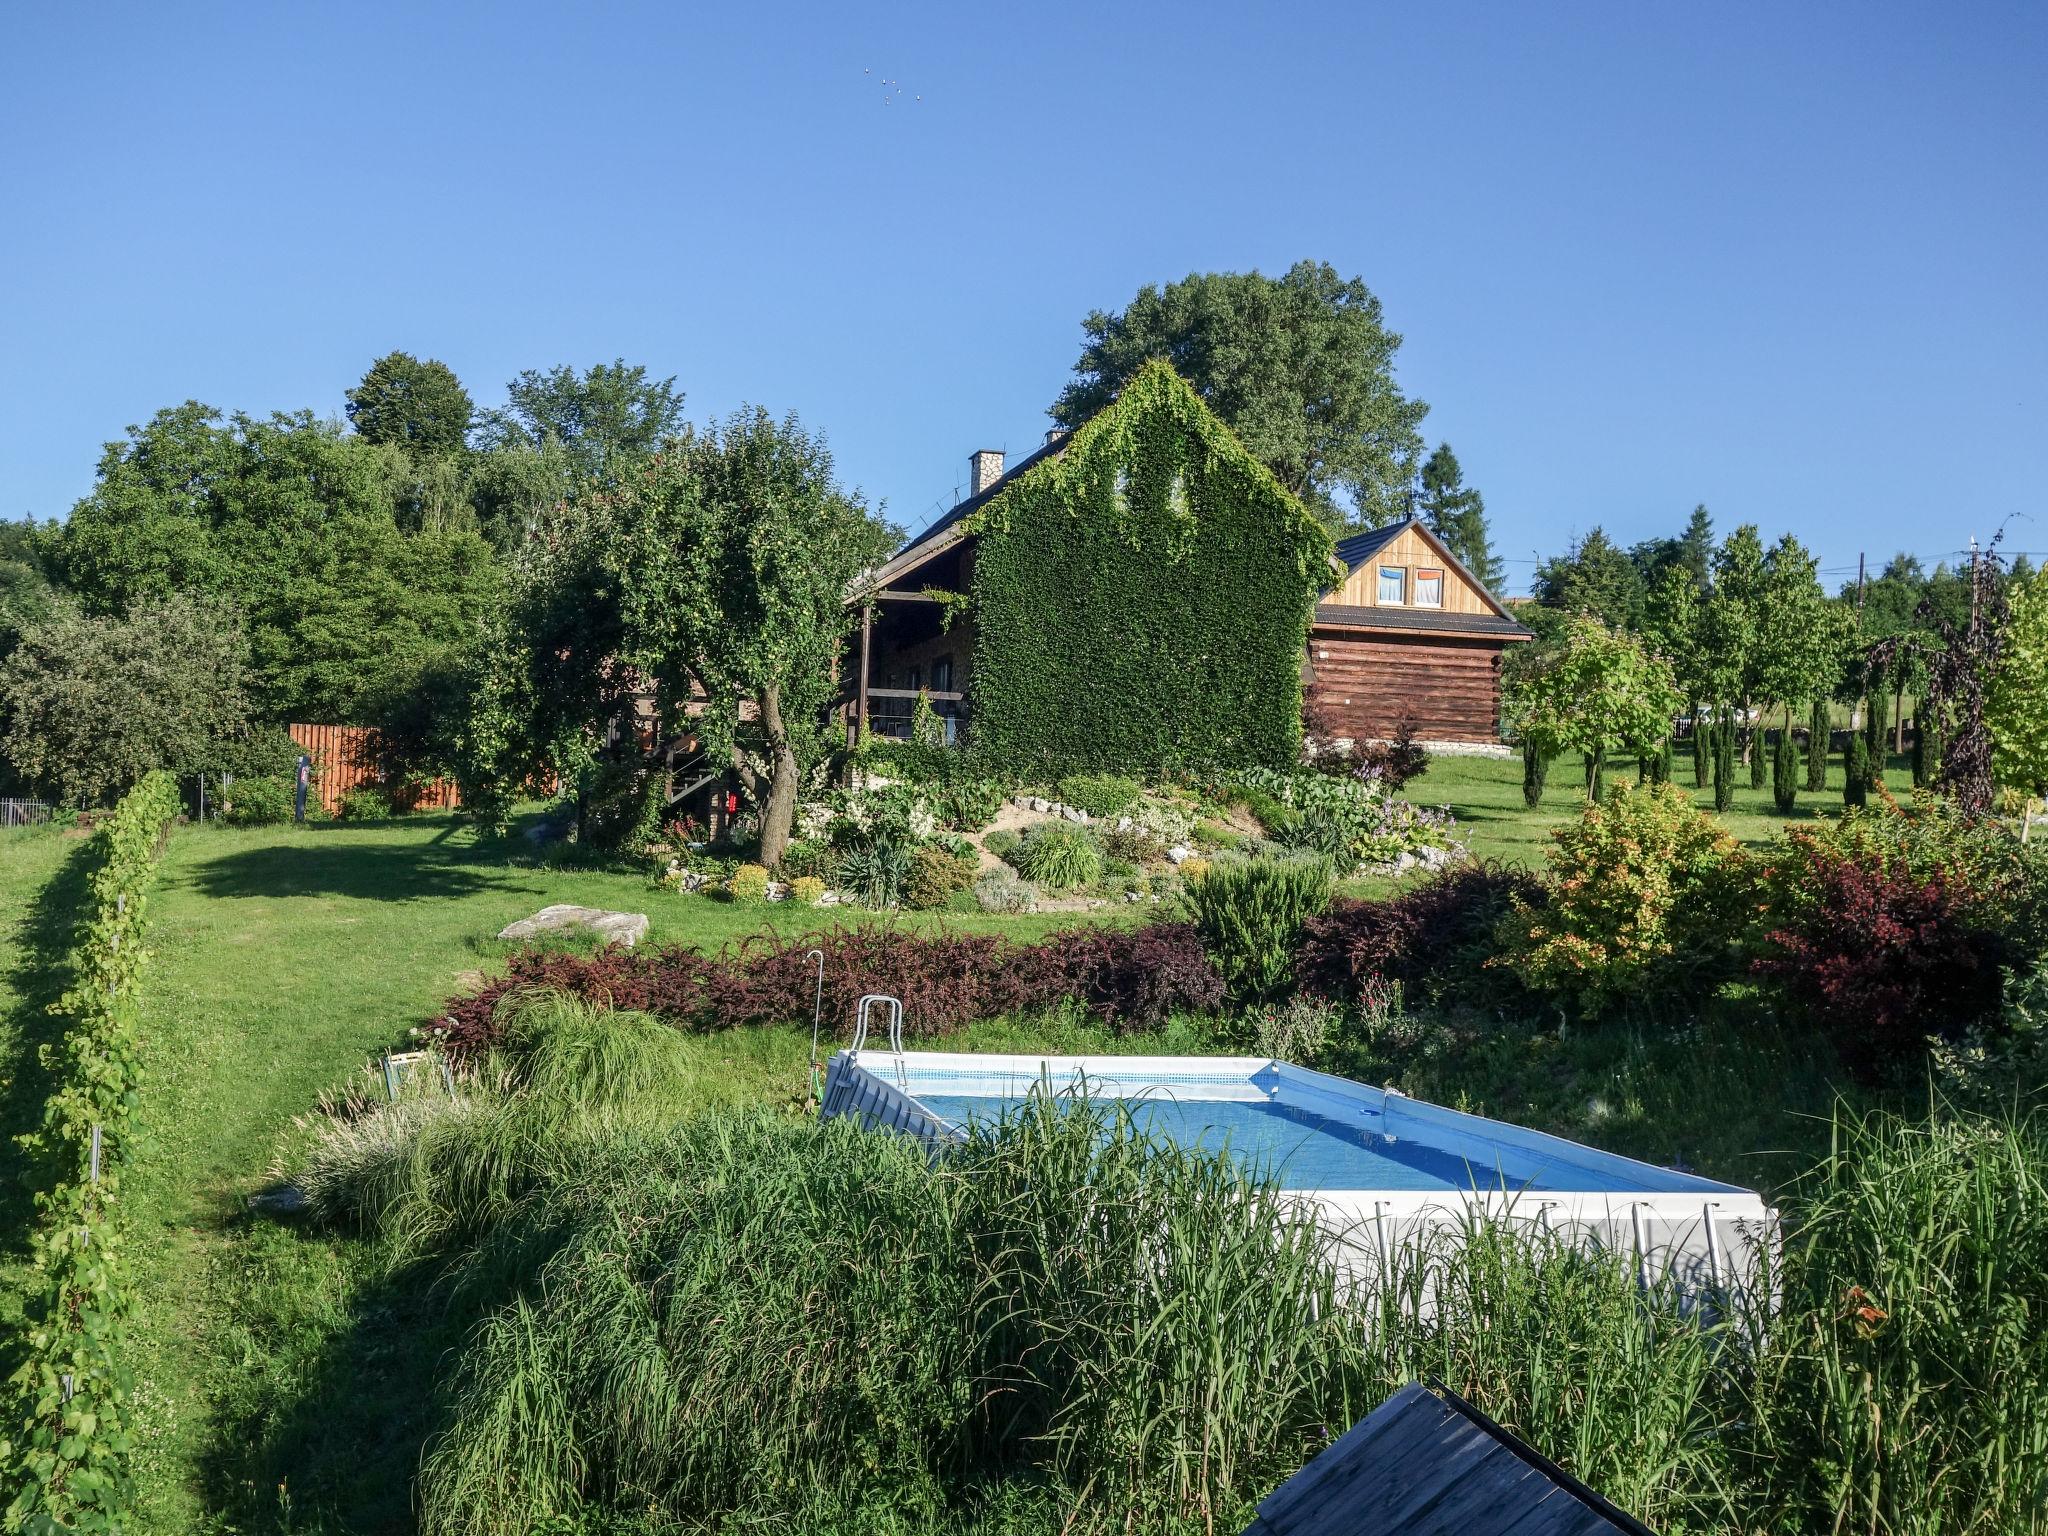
(285, 1379)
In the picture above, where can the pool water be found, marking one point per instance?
(1300, 1148)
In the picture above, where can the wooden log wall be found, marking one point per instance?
(1361, 685)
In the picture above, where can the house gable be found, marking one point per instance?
(1414, 559)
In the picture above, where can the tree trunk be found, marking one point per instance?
(1899, 719)
(778, 809)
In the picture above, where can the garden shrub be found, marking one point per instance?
(1724, 766)
(1785, 774)
(1059, 855)
(1127, 978)
(1644, 895)
(936, 874)
(1001, 890)
(1099, 794)
(1296, 1030)
(749, 883)
(806, 890)
(364, 803)
(1393, 762)
(810, 857)
(1349, 820)
(1894, 924)
(1130, 844)
(1438, 935)
(1819, 728)
(263, 801)
(1856, 773)
(968, 805)
(1535, 773)
(1002, 843)
(1167, 822)
(873, 873)
(1250, 914)
(1142, 598)
(1193, 870)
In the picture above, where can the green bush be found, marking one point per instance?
(364, 803)
(1129, 845)
(810, 858)
(1002, 844)
(262, 802)
(1724, 765)
(1645, 896)
(65, 1460)
(1819, 727)
(1059, 855)
(806, 890)
(1250, 913)
(1785, 774)
(1099, 794)
(936, 874)
(749, 883)
(968, 805)
(1000, 890)
(1856, 772)
(873, 873)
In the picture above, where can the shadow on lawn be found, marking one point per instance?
(336, 1443)
(40, 976)
(326, 864)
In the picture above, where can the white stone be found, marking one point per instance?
(626, 928)
(1179, 853)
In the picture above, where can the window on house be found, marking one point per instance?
(916, 677)
(942, 675)
(1393, 583)
(1429, 588)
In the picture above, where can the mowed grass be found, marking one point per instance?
(284, 958)
(1486, 794)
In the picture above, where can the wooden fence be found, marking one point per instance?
(345, 758)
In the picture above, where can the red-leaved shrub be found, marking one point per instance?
(1882, 958)
(1127, 978)
(1437, 933)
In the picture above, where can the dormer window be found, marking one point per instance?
(1429, 588)
(1393, 584)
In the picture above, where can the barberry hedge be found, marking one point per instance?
(67, 1460)
(1142, 598)
(1129, 978)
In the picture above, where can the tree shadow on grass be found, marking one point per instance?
(41, 974)
(316, 865)
(331, 1441)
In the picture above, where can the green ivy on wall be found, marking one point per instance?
(1142, 599)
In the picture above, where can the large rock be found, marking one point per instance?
(627, 928)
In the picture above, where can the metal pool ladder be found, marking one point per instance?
(894, 1005)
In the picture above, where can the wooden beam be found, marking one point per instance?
(912, 693)
(867, 626)
(909, 597)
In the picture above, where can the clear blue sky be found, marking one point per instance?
(1788, 260)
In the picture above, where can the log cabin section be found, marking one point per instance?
(1408, 635)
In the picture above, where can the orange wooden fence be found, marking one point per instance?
(345, 757)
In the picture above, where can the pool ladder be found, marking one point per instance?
(894, 1007)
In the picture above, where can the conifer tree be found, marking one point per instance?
(1785, 774)
(1856, 772)
(1756, 758)
(1724, 765)
(1876, 728)
(1702, 754)
(1819, 727)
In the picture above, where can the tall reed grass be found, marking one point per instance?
(737, 1319)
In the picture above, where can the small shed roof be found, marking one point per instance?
(1427, 1463)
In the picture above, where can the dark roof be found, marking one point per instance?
(973, 503)
(1361, 547)
(1420, 618)
(1427, 1463)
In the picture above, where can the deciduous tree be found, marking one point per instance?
(1301, 367)
(2016, 705)
(1592, 689)
(606, 418)
(418, 406)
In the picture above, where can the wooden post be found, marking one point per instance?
(867, 624)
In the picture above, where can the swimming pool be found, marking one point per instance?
(1378, 1168)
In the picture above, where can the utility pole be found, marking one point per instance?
(1859, 581)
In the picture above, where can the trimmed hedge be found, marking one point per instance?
(69, 1461)
(1142, 599)
(1129, 978)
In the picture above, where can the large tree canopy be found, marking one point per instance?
(604, 419)
(2016, 704)
(95, 702)
(1595, 577)
(420, 406)
(295, 524)
(1300, 367)
(1589, 689)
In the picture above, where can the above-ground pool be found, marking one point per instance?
(1380, 1168)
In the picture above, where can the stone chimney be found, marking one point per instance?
(984, 469)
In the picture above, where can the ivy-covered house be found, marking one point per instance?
(1141, 594)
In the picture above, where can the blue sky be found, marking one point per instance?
(1786, 260)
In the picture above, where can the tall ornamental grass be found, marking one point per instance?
(748, 1320)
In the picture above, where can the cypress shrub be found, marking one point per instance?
(1596, 773)
(1702, 752)
(1665, 761)
(1724, 765)
(1856, 772)
(1875, 728)
(1819, 727)
(1535, 769)
(1756, 758)
(1785, 774)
